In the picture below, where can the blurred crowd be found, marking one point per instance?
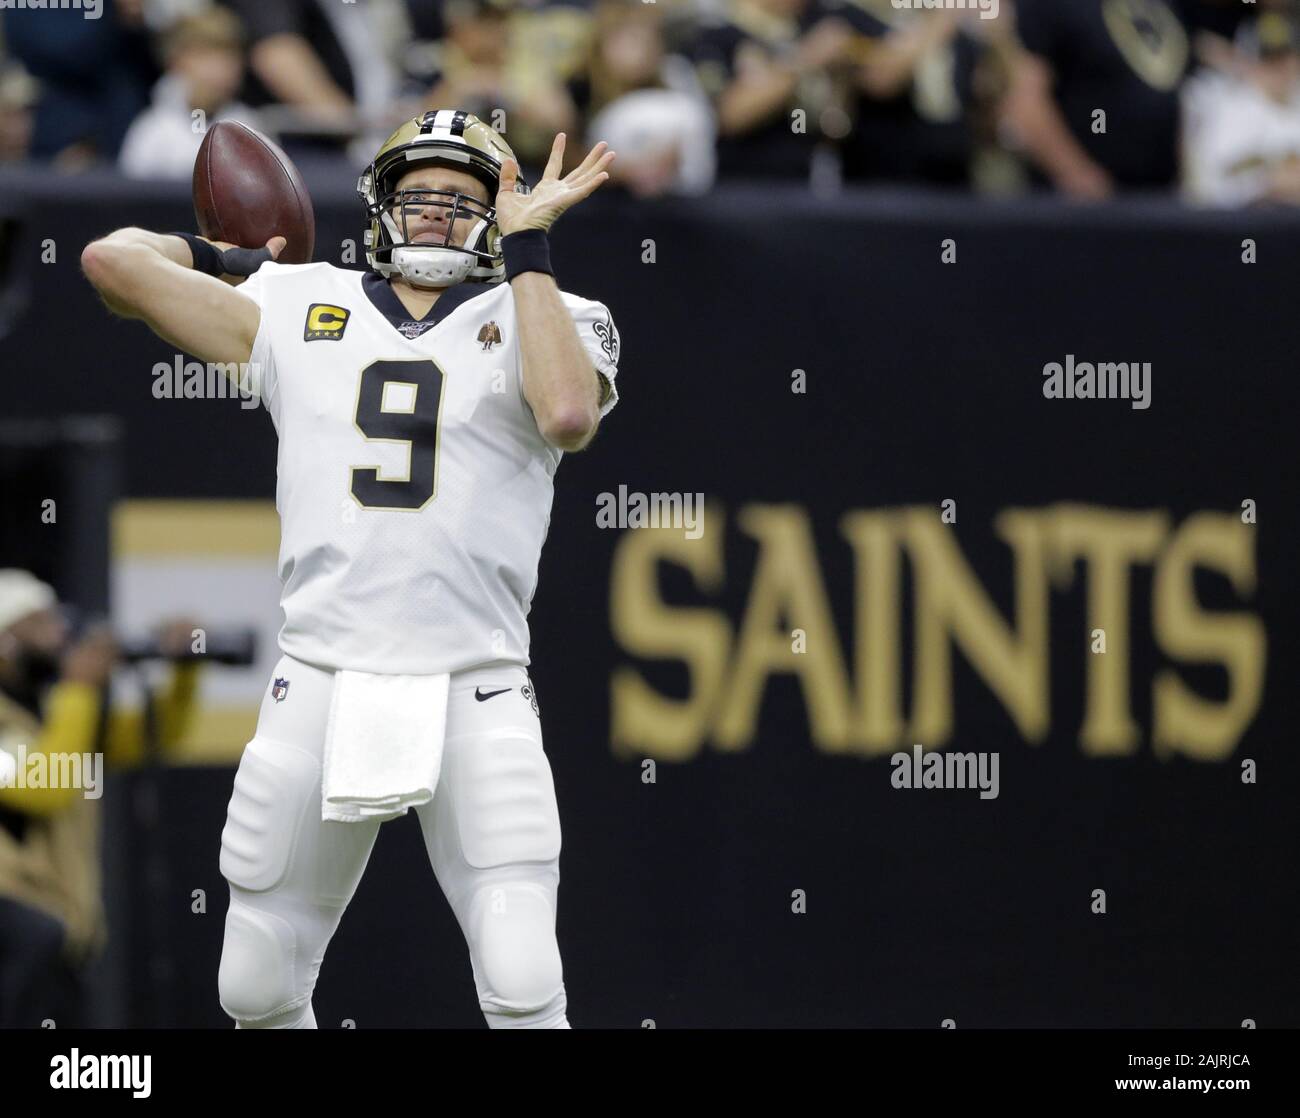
(1084, 97)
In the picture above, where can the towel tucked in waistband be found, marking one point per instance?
(383, 744)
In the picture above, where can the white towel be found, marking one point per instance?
(383, 744)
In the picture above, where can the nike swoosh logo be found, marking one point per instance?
(480, 694)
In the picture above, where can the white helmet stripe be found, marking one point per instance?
(442, 122)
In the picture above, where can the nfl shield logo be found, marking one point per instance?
(279, 689)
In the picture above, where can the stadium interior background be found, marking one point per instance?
(771, 874)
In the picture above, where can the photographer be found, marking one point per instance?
(52, 701)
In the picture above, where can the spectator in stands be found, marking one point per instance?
(553, 37)
(17, 100)
(94, 77)
(1243, 124)
(203, 56)
(334, 66)
(1094, 97)
(645, 103)
(1222, 18)
(478, 73)
(916, 92)
(769, 68)
(51, 699)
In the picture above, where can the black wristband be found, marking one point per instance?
(526, 251)
(206, 257)
(215, 261)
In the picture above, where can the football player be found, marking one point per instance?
(422, 408)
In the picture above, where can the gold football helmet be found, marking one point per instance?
(444, 138)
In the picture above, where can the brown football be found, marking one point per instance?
(246, 191)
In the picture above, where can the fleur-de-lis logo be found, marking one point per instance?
(528, 692)
(608, 335)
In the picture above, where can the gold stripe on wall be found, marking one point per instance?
(216, 736)
(152, 529)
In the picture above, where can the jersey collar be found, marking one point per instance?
(387, 303)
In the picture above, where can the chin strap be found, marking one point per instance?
(423, 286)
(433, 265)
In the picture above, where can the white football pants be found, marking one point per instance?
(492, 832)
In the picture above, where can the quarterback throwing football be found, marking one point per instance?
(422, 408)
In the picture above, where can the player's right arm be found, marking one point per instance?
(151, 276)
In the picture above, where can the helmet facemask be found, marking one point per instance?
(434, 261)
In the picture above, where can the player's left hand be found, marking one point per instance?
(552, 195)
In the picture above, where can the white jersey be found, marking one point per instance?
(414, 487)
